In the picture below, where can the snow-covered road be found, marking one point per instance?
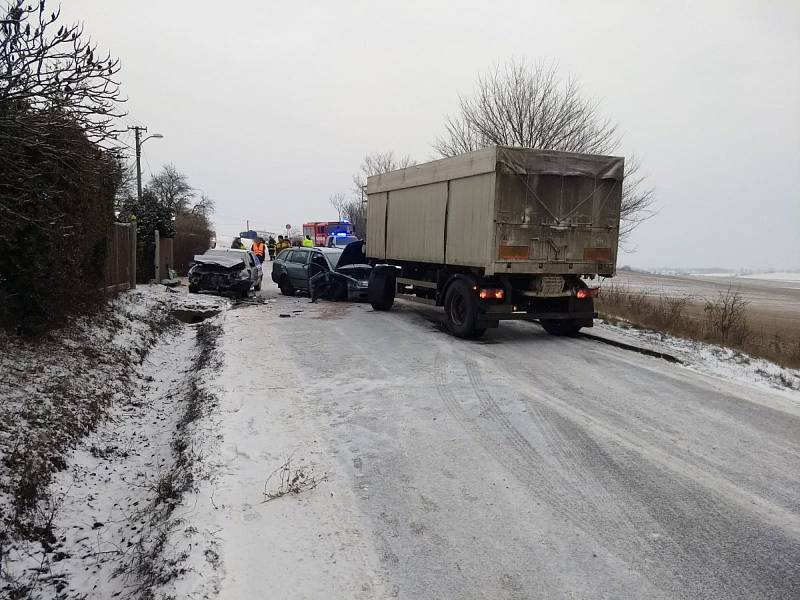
(519, 466)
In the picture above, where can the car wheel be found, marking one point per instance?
(257, 287)
(193, 289)
(461, 311)
(286, 286)
(561, 327)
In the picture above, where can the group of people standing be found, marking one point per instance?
(261, 248)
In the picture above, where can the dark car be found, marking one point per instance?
(344, 272)
(225, 270)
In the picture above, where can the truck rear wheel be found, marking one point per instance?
(461, 311)
(382, 287)
(562, 327)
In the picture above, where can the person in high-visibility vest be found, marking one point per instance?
(282, 244)
(271, 247)
(308, 243)
(259, 249)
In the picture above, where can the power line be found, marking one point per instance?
(149, 168)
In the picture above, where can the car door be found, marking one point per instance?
(317, 264)
(249, 264)
(255, 272)
(279, 265)
(297, 267)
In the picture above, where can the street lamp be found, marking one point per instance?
(139, 141)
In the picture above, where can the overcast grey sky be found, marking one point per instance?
(269, 107)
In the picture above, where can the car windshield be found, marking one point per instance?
(333, 256)
(344, 240)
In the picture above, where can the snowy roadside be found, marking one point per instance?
(708, 359)
(248, 526)
(73, 404)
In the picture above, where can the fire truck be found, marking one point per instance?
(319, 231)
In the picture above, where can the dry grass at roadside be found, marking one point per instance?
(55, 390)
(726, 320)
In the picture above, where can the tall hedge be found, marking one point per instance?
(56, 208)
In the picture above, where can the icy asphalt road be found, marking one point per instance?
(521, 466)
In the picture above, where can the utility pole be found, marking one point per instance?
(137, 130)
(138, 133)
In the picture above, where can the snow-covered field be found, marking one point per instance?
(775, 276)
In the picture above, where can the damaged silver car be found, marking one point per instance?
(225, 271)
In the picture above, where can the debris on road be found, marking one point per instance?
(292, 480)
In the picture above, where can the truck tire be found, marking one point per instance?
(193, 289)
(382, 287)
(461, 311)
(286, 286)
(561, 327)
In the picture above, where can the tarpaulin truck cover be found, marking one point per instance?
(500, 210)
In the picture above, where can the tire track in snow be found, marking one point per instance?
(649, 536)
(525, 462)
(687, 531)
(572, 467)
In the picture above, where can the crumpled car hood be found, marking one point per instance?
(223, 261)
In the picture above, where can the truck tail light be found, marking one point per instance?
(492, 294)
(587, 293)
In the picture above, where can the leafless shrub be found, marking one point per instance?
(726, 317)
(724, 320)
(671, 310)
(795, 351)
(638, 302)
(291, 480)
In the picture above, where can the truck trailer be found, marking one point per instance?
(497, 234)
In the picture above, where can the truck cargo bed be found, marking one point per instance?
(500, 210)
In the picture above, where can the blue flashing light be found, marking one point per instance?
(341, 234)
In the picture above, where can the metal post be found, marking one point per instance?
(157, 257)
(132, 249)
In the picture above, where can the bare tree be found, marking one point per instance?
(530, 106)
(338, 201)
(45, 69)
(172, 189)
(204, 207)
(355, 209)
(375, 164)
